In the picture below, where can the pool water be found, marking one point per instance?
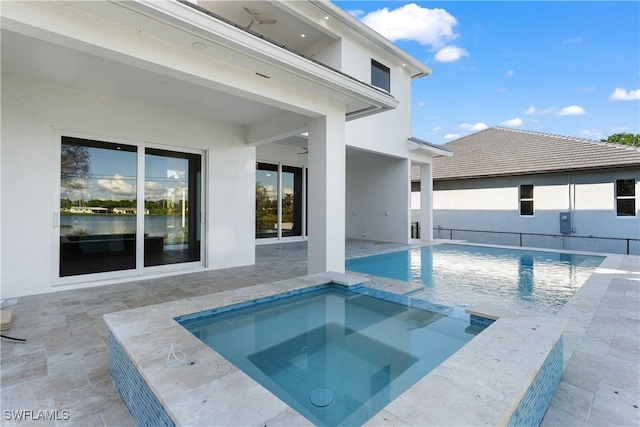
(336, 356)
(461, 275)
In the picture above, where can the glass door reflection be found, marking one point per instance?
(97, 207)
(172, 207)
(291, 201)
(266, 200)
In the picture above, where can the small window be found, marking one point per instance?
(626, 197)
(526, 200)
(380, 76)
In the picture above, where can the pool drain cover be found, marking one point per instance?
(321, 397)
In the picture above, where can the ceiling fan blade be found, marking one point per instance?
(268, 21)
(249, 11)
(248, 27)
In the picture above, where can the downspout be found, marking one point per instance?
(572, 200)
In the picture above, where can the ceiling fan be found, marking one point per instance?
(255, 18)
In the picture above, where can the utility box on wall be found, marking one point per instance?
(565, 222)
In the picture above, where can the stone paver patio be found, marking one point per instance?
(64, 365)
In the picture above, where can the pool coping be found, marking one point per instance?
(213, 391)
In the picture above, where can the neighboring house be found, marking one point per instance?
(510, 180)
(295, 128)
(124, 211)
(128, 211)
(87, 210)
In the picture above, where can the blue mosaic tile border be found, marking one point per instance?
(536, 399)
(481, 322)
(144, 407)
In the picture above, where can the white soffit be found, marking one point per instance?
(182, 24)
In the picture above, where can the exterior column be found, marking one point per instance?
(326, 197)
(426, 202)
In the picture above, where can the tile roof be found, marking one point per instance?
(500, 151)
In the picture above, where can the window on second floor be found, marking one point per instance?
(526, 199)
(625, 197)
(380, 76)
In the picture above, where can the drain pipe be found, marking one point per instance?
(572, 200)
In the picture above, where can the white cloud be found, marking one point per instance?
(621, 94)
(450, 54)
(512, 122)
(500, 90)
(155, 190)
(572, 110)
(510, 73)
(591, 133)
(357, 12)
(585, 89)
(436, 129)
(539, 111)
(271, 191)
(452, 136)
(474, 128)
(421, 104)
(432, 27)
(117, 187)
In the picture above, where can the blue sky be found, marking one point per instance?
(566, 68)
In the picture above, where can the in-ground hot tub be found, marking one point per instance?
(505, 375)
(337, 356)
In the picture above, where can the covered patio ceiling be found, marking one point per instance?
(32, 53)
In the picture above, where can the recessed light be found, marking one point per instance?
(303, 35)
(326, 17)
(198, 45)
(404, 65)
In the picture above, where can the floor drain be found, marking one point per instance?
(321, 397)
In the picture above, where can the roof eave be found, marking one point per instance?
(434, 150)
(537, 172)
(421, 70)
(366, 99)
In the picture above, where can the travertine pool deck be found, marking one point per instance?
(64, 364)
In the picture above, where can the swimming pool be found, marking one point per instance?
(464, 275)
(336, 356)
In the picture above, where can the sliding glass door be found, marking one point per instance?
(104, 227)
(291, 203)
(266, 200)
(172, 207)
(279, 201)
(97, 179)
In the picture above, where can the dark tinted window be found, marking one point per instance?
(626, 197)
(380, 76)
(526, 200)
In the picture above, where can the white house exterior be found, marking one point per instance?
(178, 107)
(507, 180)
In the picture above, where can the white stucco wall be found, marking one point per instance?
(32, 111)
(386, 132)
(493, 204)
(377, 198)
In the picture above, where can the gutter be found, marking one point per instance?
(435, 150)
